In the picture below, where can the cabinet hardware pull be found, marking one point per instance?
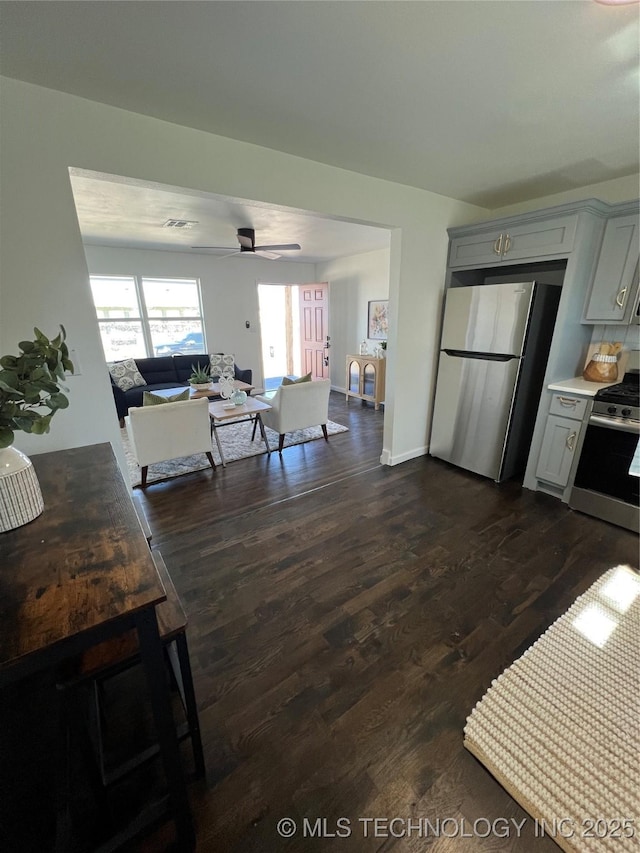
(568, 401)
(507, 244)
(620, 297)
(571, 439)
(497, 246)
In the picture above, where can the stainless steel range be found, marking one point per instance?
(603, 485)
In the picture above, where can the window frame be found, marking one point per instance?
(143, 318)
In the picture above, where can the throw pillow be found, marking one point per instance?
(222, 365)
(126, 374)
(151, 399)
(305, 378)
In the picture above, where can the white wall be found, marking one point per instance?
(43, 271)
(229, 289)
(353, 281)
(613, 192)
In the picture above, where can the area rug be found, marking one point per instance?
(236, 444)
(559, 728)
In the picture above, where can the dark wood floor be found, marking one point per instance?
(345, 617)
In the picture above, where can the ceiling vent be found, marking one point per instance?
(180, 223)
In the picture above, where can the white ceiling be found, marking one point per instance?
(121, 212)
(487, 101)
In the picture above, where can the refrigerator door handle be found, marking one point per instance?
(484, 356)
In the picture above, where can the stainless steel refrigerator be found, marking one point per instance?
(493, 354)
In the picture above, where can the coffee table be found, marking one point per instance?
(212, 393)
(223, 414)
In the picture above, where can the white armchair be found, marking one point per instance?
(297, 406)
(169, 431)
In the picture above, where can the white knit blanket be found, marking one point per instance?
(560, 728)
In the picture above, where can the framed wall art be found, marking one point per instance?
(378, 322)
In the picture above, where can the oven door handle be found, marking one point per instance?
(614, 423)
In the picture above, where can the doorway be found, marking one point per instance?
(294, 331)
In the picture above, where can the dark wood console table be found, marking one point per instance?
(80, 573)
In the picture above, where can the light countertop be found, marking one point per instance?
(581, 386)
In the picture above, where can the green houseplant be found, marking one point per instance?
(29, 383)
(200, 376)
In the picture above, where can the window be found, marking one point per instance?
(141, 316)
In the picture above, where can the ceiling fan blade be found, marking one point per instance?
(219, 248)
(247, 239)
(283, 247)
(272, 256)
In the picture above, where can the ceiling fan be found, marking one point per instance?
(247, 240)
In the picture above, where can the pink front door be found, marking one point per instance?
(314, 336)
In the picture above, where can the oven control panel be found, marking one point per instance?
(624, 411)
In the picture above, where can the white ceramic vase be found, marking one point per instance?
(20, 495)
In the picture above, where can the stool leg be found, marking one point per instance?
(74, 732)
(99, 723)
(94, 767)
(152, 660)
(185, 685)
(63, 831)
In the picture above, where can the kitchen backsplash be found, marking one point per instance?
(629, 336)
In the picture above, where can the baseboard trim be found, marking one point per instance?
(387, 459)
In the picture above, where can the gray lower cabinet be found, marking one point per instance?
(562, 430)
(614, 291)
(556, 452)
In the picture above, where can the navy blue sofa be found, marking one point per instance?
(169, 371)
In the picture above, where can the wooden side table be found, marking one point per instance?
(366, 378)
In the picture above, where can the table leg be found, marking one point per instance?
(153, 662)
(215, 433)
(262, 432)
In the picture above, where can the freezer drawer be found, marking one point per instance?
(490, 318)
(472, 407)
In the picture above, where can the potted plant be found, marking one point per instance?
(29, 383)
(200, 378)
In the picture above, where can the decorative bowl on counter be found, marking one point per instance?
(603, 366)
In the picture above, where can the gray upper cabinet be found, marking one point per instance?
(613, 294)
(474, 250)
(514, 242)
